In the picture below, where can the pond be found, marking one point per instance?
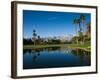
(53, 57)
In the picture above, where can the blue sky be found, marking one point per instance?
(50, 24)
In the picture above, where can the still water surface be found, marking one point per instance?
(55, 57)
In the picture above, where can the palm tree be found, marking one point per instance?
(34, 36)
(80, 29)
(82, 18)
(88, 30)
(79, 23)
(75, 21)
(39, 39)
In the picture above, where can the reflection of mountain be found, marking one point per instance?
(65, 50)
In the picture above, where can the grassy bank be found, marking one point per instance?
(44, 46)
(85, 47)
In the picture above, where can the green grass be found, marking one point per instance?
(43, 46)
(85, 46)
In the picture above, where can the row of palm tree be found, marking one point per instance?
(79, 22)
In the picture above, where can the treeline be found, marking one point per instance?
(27, 41)
(44, 42)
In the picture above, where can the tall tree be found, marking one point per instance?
(39, 39)
(82, 18)
(75, 21)
(88, 30)
(80, 29)
(34, 36)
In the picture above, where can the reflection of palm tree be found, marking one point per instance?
(82, 18)
(35, 54)
(34, 58)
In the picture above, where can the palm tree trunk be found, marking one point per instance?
(83, 31)
(76, 35)
(34, 42)
(80, 32)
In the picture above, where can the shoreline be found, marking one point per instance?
(73, 46)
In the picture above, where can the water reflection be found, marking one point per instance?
(55, 57)
(83, 55)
